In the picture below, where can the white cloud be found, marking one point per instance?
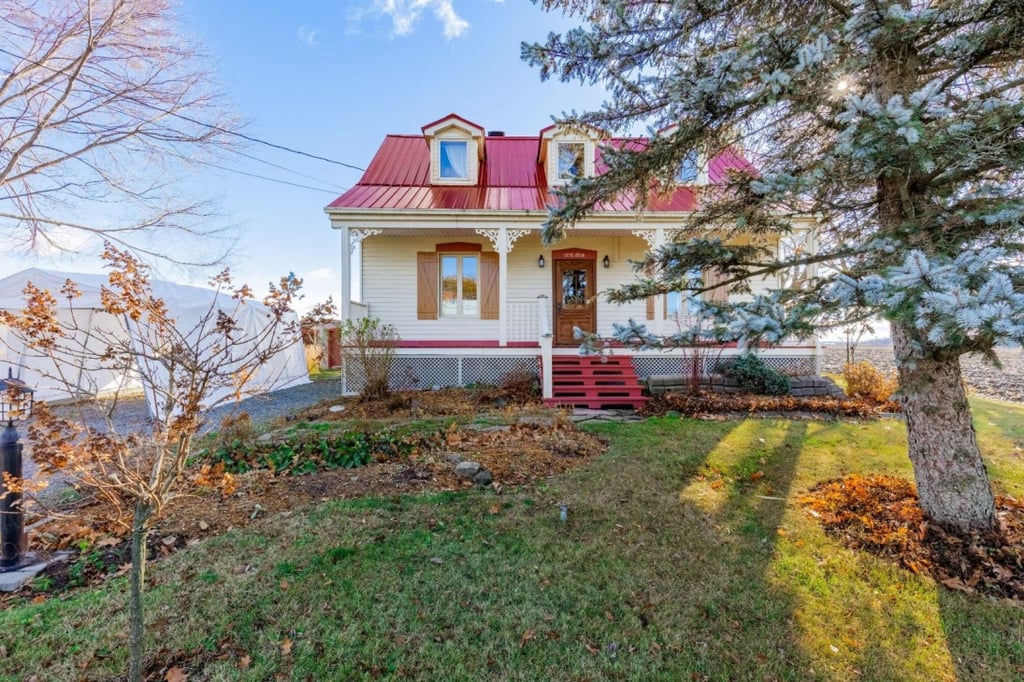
(321, 273)
(307, 35)
(405, 14)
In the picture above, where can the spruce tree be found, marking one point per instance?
(896, 125)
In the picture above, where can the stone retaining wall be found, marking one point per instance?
(801, 386)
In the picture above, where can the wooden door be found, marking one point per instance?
(575, 299)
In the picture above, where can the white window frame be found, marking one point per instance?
(460, 313)
(558, 160)
(687, 298)
(440, 159)
(692, 159)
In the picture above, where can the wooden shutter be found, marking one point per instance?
(650, 301)
(718, 294)
(489, 286)
(426, 285)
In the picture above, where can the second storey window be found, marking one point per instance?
(570, 160)
(460, 279)
(687, 173)
(454, 159)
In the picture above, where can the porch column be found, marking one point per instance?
(356, 238)
(812, 273)
(655, 238)
(659, 301)
(547, 386)
(502, 240)
(345, 307)
(504, 246)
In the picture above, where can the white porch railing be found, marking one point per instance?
(359, 310)
(528, 319)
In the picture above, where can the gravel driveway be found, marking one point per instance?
(133, 414)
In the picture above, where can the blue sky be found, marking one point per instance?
(333, 78)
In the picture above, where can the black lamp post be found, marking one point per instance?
(15, 404)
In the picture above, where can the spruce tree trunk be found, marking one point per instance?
(137, 580)
(952, 484)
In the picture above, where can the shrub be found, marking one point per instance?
(236, 427)
(369, 346)
(520, 386)
(307, 453)
(755, 376)
(864, 380)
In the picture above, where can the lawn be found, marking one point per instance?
(684, 557)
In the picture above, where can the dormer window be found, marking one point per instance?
(454, 159)
(571, 157)
(568, 153)
(456, 150)
(689, 171)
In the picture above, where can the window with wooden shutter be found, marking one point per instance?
(426, 285)
(457, 281)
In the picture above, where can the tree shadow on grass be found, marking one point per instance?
(686, 536)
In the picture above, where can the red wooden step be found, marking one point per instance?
(595, 382)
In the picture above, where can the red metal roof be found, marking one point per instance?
(511, 179)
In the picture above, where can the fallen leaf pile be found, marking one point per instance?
(880, 514)
(701, 404)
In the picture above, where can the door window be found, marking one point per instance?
(574, 287)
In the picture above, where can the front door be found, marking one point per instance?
(575, 299)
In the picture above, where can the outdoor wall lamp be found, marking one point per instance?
(606, 262)
(540, 261)
(15, 404)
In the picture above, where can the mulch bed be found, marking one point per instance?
(708, 404)
(880, 514)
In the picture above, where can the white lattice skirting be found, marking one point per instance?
(427, 371)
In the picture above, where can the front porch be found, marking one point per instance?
(419, 366)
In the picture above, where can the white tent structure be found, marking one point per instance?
(73, 378)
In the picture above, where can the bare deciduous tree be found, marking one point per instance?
(186, 368)
(102, 103)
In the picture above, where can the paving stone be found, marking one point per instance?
(14, 580)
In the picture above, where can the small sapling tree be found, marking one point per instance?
(185, 368)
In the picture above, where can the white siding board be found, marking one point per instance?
(389, 282)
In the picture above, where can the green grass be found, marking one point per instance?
(675, 564)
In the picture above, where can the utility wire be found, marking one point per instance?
(183, 117)
(289, 170)
(265, 177)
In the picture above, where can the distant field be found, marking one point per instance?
(982, 377)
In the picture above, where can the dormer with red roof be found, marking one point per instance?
(566, 153)
(456, 150)
(693, 169)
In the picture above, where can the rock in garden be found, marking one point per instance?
(336, 408)
(467, 469)
(483, 477)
